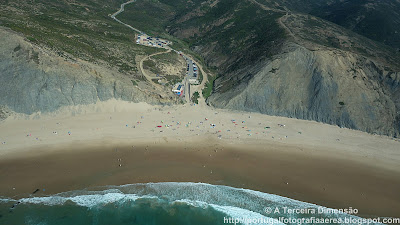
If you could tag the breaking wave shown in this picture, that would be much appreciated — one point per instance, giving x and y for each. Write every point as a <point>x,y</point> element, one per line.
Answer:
<point>161,203</point>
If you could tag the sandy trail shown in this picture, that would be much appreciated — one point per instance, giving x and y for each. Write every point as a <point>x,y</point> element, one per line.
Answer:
<point>266,7</point>
<point>148,77</point>
<point>281,20</point>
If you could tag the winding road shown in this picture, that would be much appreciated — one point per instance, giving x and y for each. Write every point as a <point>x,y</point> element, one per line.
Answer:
<point>281,20</point>
<point>189,90</point>
<point>120,11</point>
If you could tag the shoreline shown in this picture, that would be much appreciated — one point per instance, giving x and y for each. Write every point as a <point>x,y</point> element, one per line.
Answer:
<point>330,182</point>
<point>304,160</point>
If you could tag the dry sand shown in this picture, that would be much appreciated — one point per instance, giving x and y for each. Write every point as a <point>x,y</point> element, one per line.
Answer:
<point>115,142</point>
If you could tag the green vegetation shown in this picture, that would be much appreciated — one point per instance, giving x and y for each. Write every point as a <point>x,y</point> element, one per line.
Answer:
<point>172,80</point>
<point>246,29</point>
<point>152,66</point>
<point>170,59</point>
<point>134,83</point>
<point>239,33</point>
<point>148,64</point>
<point>209,87</point>
<point>379,22</point>
<point>200,74</point>
<point>154,17</point>
<point>341,103</point>
<point>74,30</point>
<point>84,30</point>
<point>317,31</point>
<point>147,15</point>
<point>141,78</point>
<point>167,58</point>
<point>195,97</point>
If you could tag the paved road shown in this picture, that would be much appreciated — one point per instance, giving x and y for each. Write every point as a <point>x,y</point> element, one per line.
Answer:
<point>188,90</point>
<point>190,71</point>
<point>120,11</point>
<point>200,87</point>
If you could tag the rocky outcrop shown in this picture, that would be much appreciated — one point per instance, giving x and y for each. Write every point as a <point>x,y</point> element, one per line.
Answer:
<point>330,86</point>
<point>4,113</point>
<point>34,79</point>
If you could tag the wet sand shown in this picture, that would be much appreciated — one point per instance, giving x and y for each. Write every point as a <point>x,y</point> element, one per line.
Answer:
<point>83,146</point>
<point>297,173</point>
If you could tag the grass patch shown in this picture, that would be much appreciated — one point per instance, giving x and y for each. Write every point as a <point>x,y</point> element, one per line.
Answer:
<point>195,97</point>
<point>200,75</point>
<point>172,80</point>
<point>167,58</point>
<point>209,87</point>
<point>76,30</point>
<point>152,66</point>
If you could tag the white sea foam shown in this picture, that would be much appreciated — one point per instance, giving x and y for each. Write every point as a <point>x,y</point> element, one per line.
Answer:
<point>246,216</point>
<point>243,215</point>
<point>198,204</point>
<point>220,195</point>
<point>82,200</point>
<point>235,202</point>
<point>5,200</point>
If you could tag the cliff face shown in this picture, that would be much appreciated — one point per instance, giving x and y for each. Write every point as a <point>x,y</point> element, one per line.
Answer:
<point>33,79</point>
<point>334,87</point>
<point>268,60</point>
<point>312,70</point>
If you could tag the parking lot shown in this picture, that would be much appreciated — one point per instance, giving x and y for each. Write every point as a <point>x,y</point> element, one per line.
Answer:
<point>191,69</point>
<point>144,39</point>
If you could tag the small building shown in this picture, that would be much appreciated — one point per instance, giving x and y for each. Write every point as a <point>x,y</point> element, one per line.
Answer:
<point>193,80</point>
<point>178,89</point>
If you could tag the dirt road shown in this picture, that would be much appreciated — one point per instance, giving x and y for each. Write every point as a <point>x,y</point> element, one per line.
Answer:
<point>148,77</point>
<point>190,89</point>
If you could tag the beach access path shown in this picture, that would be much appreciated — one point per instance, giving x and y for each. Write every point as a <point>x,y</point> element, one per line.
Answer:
<point>188,88</point>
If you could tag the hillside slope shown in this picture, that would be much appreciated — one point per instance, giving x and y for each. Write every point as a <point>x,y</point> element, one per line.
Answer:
<point>34,79</point>
<point>266,59</point>
<point>333,87</point>
<point>284,63</point>
<point>68,53</point>
<point>375,19</point>
<point>323,73</point>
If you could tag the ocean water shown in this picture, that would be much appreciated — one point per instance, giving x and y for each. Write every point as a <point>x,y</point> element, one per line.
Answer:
<point>164,204</point>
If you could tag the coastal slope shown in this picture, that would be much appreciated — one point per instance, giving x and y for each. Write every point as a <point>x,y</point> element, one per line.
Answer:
<point>333,87</point>
<point>291,64</point>
<point>34,79</point>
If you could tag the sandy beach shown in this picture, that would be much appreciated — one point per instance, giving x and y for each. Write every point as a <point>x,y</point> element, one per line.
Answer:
<point>114,142</point>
